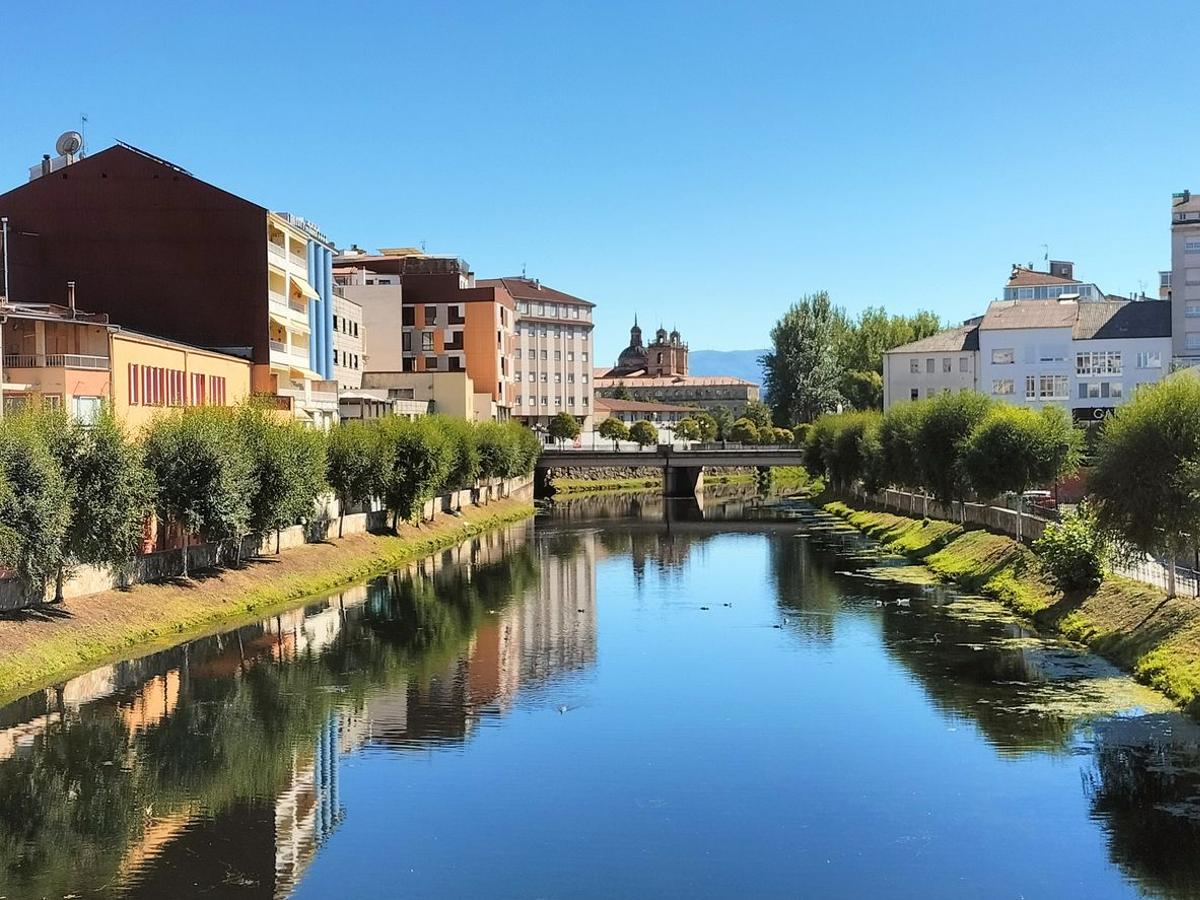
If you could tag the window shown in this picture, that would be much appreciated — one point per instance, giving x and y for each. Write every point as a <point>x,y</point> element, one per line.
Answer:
<point>914,366</point>
<point>430,315</point>
<point>929,365</point>
<point>426,341</point>
<point>947,364</point>
<point>86,409</point>
<point>1191,275</point>
<point>914,394</point>
<point>584,378</point>
<point>216,389</point>
<point>1192,340</point>
<point>406,342</point>
<point>1101,390</point>
<point>557,355</point>
<point>1003,386</point>
<point>544,377</point>
<point>570,356</point>
<point>585,356</point>
<point>545,355</point>
<point>517,354</point>
<point>1098,362</point>
<point>407,316</point>
<point>1192,309</point>
<point>133,384</point>
<point>1046,387</point>
<point>532,376</point>
<point>1149,359</point>
<point>558,377</point>
<point>1002,357</point>
<point>963,364</point>
<point>1191,245</point>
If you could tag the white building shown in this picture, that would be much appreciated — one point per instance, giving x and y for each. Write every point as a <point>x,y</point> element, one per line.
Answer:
<point>942,362</point>
<point>347,343</point>
<point>1182,283</point>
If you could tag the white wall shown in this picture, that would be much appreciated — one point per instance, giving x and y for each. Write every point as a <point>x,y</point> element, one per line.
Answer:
<point>1131,375</point>
<point>899,380</point>
<point>1036,352</point>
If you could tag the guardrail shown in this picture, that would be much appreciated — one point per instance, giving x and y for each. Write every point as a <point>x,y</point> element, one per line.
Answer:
<point>56,361</point>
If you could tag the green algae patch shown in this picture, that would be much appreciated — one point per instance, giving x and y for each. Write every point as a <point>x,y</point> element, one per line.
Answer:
<point>37,649</point>
<point>1133,625</point>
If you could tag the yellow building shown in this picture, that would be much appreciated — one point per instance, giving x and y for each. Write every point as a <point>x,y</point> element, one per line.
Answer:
<point>151,374</point>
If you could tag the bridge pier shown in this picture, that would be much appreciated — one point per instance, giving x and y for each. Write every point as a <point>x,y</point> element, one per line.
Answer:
<point>683,481</point>
<point>542,485</point>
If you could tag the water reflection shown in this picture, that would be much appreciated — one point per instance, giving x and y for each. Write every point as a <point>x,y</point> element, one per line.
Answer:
<point>235,765</point>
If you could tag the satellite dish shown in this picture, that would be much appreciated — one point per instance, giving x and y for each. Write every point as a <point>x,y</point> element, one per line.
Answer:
<point>68,143</point>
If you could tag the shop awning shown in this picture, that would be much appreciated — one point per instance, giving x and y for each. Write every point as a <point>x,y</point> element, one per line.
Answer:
<point>298,372</point>
<point>305,288</point>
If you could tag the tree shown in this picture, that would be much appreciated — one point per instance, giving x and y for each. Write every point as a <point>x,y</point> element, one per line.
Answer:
<point>1145,476</point>
<point>417,458</point>
<point>203,475</point>
<point>111,496</point>
<point>759,413</point>
<point>563,427</point>
<point>613,429</point>
<point>707,424</point>
<point>898,435</point>
<point>743,431</point>
<point>687,430</point>
<point>464,452</point>
<point>1015,448</point>
<point>723,419</point>
<point>860,346</point>
<point>287,463</point>
<point>862,389</point>
<point>643,433</point>
<point>34,503</point>
<point>352,465</point>
<point>947,422</point>
<point>801,370</point>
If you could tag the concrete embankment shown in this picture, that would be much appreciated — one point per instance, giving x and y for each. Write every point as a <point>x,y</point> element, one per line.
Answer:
<point>1135,626</point>
<point>45,645</point>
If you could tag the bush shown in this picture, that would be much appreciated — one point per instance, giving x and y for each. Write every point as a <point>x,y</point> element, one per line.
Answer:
<point>1073,552</point>
<point>643,433</point>
<point>743,431</point>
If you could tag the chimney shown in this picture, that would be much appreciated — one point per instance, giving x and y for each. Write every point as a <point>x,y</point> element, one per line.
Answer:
<point>71,297</point>
<point>1062,269</point>
<point>45,163</point>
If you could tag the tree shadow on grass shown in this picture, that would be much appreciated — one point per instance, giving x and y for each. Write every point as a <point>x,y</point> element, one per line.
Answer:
<point>43,612</point>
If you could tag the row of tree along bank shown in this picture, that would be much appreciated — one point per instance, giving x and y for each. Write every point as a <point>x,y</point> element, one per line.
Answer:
<point>1144,485</point>
<point>72,495</point>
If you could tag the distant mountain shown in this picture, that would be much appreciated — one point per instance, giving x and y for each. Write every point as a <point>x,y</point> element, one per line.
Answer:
<point>738,363</point>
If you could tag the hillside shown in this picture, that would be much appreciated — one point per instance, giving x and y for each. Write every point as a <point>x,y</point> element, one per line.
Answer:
<point>738,363</point>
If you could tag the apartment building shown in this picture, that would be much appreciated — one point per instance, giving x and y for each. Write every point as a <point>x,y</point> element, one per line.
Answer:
<point>165,253</point>
<point>1182,283</point>
<point>348,357</point>
<point>943,362</point>
<point>1086,356</point>
<point>426,315</point>
<point>67,359</point>
<point>1027,283</point>
<point>552,355</point>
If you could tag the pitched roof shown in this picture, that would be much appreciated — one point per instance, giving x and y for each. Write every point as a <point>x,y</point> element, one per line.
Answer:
<point>952,340</point>
<point>530,289</point>
<point>613,405</point>
<point>1022,275</point>
<point>1030,314</point>
<point>668,380</point>
<point>1105,320</point>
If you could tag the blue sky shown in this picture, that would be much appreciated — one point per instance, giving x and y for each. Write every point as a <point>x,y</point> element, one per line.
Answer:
<point>703,164</point>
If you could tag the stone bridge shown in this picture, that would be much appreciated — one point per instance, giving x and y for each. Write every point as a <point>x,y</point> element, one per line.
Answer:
<point>683,470</point>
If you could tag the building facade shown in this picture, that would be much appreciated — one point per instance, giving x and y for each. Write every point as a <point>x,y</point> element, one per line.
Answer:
<point>1183,281</point>
<point>943,362</point>
<point>425,314</point>
<point>160,251</point>
<point>1085,356</point>
<point>552,368</point>
<point>347,343</point>
<point>665,356</point>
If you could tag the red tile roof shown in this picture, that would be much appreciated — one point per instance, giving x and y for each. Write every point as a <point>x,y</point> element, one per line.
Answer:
<point>612,405</point>
<point>1022,276</point>
<point>529,289</point>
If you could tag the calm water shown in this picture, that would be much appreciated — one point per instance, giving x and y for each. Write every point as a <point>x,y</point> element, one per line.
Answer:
<point>613,702</point>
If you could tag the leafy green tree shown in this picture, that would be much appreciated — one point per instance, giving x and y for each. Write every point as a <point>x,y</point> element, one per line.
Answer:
<point>760,414</point>
<point>287,468</point>
<point>203,474</point>
<point>1015,448</point>
<point>1145,476</point>
<point>352,465</point>
<point>528,447</point>
<point>563,427</point>
<point>111,496</point>
<point>784,436</point>
<point>724,420</point>
<point>464,452</point>
<point>898,435</point>
<point>417,457</point>
<point>743,431</point>
<point>1074,552</point>
<point>947,422</point>
<point>687,430</point>
<point>707,424</point>
<point>643,433</point>
<point>862,389</point>
<point>613,429</point>
<point>801,371</point>
<point>498,450</point>
<point>35,504</point>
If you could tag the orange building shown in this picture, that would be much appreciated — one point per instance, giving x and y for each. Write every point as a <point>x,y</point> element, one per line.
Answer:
<point>426,314</point>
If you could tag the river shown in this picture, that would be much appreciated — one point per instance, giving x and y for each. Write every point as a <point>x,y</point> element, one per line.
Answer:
<point>622,699</point>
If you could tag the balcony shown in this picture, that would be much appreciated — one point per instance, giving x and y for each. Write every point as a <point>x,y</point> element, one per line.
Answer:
<point>277,251</point>
<point>298,259</point>
<point>56,361</point>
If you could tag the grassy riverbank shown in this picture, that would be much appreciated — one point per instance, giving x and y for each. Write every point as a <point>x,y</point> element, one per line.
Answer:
<point>1129,623</point>
<point>39,647</point>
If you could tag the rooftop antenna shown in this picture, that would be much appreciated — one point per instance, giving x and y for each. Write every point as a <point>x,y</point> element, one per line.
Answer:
<point>522,270</point>
<point>1046,252</point>
<point>82,135</point>
<point>422,246</point>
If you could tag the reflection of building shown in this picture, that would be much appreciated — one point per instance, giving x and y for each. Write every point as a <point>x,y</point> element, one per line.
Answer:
<point>556,620</point>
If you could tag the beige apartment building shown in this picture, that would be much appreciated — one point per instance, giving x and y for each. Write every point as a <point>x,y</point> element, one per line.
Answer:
<point>552,356</point>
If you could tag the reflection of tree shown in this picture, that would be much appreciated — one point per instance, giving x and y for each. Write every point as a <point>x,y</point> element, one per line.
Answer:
<point>249,711</point>
<point>803,586</point>
<point>1145,787</point>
